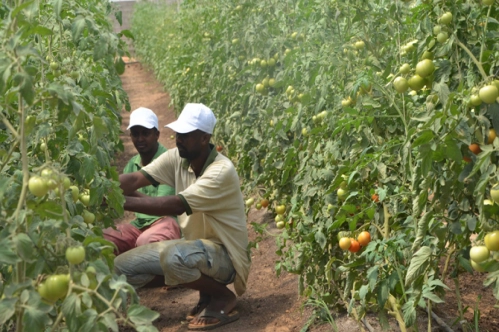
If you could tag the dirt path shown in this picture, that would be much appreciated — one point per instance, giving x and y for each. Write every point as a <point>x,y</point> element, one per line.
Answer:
<point>271,304</point>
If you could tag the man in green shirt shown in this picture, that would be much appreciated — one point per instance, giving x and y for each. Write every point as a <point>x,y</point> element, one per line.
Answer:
<point>144,228</point>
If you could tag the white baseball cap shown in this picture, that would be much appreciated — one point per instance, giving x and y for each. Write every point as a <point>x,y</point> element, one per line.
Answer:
<point>194,116</point>
<point>143,117</point>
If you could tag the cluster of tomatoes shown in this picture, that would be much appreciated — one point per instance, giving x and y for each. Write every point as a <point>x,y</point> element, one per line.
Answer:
<point>49,179</point>
<point>354,245</point>
<point>56,286</point>
<point>39,185</point>
<point>480,255</point>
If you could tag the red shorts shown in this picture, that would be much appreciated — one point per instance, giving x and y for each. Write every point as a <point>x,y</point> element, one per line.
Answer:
<point>126,236</point>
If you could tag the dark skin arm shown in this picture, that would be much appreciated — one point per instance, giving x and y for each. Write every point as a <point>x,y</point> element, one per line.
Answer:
<point>158,206</point>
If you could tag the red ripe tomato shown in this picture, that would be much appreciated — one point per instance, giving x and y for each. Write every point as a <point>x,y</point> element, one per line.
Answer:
<point>475,148</point>
<point>375,198</point>
<point>264,203</point>
<point>219,148</point>
<point>354,245</point>
<point>364,238</point>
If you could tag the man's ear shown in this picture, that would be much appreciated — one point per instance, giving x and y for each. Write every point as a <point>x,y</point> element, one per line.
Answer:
<point>206,139</point>
<point>157,133</point>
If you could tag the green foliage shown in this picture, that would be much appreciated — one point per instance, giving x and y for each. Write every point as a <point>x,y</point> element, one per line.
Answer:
<point>60,104</point>
<point>332,119</point>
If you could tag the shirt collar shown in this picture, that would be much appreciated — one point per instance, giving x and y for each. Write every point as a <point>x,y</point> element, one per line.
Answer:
<point>137,160</point>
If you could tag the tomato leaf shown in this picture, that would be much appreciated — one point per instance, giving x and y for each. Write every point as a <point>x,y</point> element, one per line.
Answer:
<point>7,256</point>
<point>141,315</point>
<point>57,5</point>
<point>36,315</point>
<point>418,264</point>
<point>320,238</point>
<point>424,137</point>
<point>25,247</point>
<point>7,309</point>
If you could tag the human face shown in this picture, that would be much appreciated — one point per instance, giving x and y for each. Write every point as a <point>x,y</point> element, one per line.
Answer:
<point>145,140</point>
<point>190,145</point>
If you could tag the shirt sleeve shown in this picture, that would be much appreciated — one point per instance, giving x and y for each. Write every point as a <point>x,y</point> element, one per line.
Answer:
<point>162,169</point>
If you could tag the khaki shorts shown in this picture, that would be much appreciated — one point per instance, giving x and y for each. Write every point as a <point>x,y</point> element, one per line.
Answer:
<point>179,261</point>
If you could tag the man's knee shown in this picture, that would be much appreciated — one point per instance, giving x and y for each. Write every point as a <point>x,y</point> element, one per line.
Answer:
<point>164,229</point>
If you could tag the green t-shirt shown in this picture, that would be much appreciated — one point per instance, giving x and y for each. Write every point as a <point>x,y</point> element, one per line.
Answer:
<point>142,220</point>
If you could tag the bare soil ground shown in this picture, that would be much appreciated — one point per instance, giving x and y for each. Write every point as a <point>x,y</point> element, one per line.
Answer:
<point>271,303</point>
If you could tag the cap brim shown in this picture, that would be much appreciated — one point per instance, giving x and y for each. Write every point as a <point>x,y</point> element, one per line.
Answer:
<point>141,125</point>
<point>181,128</point>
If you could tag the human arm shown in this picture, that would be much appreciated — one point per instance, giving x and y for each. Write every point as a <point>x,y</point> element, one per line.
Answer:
<point>155,206</point>
<point>130,182</point>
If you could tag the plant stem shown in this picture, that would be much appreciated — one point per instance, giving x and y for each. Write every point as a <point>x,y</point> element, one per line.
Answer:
<point>386,225</point>
<point>458,299</point>
<point>484,33</point>
<point>396,312</point>
<point>106,302</point>
<point>429,316</point>
<point>477,63</point>
<point>20,223</point>
<point>447,260</point>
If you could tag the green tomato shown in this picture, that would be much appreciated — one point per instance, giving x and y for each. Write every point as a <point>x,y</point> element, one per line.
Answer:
<point>425,68</point>
<point>492,241</point>
<point>442,37</point>
<point>405,68</point>
<point>280,209</point>
<point>400,85</point>
<point>259,88</point>
<point>54,65</point>
<point>66,182</point>
<point>75,192</point>
<point>359,45</point>
<point>477,266</point>
<point>479,254</point>
<point>475,100</point>
<point>88,217</point>
<point>488,94</point>
<point>446,18</point>
<point>57,285</point>
<point>45,294</point>
<point>38,186</point>
<point>280,224</point>
<point>249,202</point>
<point>85,198</point>
<point>75,255</point>
<point>416,82</point>
<point>342,193</point>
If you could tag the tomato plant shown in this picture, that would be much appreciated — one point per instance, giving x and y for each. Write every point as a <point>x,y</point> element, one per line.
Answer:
<point>409,146</point>
<point>59,132</point>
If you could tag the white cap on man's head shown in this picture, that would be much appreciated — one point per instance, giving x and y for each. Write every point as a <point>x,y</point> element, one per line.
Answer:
<point>143,117</point>
<point>194,116</point>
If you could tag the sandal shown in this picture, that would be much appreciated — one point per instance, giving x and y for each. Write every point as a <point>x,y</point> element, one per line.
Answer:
<point>222,317</point>
<point>196,310</point>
